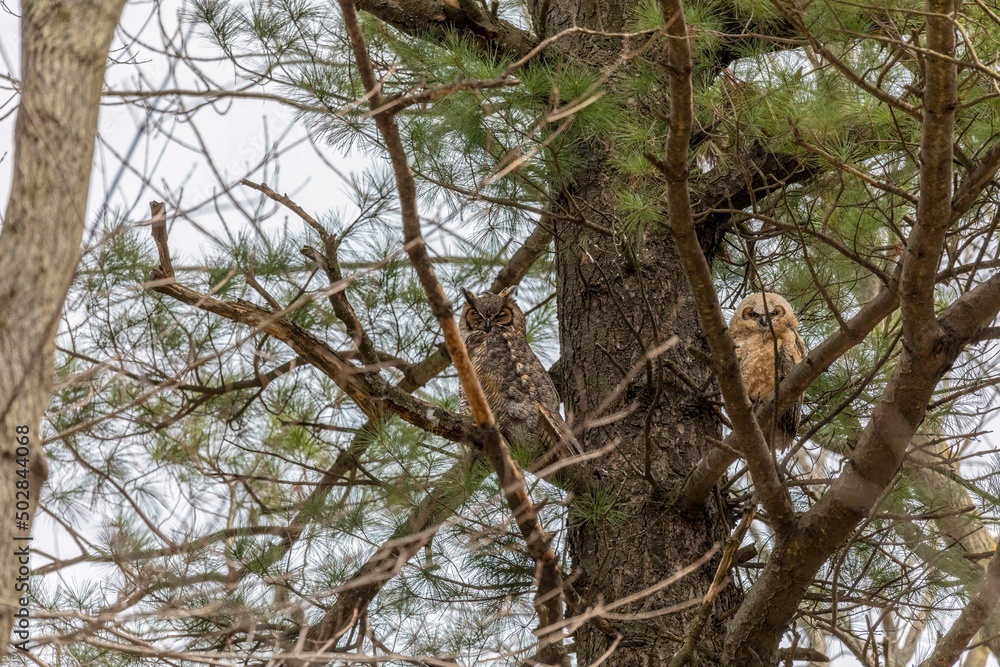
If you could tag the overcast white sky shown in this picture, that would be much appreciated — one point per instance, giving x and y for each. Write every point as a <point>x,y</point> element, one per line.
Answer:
<point>237,133</point>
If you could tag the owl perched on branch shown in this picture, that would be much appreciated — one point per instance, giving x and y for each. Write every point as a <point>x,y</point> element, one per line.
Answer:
<point>760,321</point>
<point>519,391</point>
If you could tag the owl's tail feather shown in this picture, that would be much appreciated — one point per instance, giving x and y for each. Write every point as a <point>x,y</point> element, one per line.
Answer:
<point>557,438</point>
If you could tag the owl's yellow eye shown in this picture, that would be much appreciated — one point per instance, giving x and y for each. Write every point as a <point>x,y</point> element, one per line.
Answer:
<point>749,314</point>
<point>505,317</point>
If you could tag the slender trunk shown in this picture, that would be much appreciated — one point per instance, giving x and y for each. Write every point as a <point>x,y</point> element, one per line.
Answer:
<point>64,47</point>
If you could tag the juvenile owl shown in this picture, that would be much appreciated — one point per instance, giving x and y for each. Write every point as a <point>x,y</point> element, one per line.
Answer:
<point>519,391</point>
<point>751,328</point>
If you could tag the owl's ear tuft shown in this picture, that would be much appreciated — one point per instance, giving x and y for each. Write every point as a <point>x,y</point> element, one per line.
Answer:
<point>470,297</point>
<point>508,292</point>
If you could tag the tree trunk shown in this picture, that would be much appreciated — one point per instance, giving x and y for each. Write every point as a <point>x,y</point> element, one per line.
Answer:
<point>607,304</point>
<point>618,301</point>
<point>64,47</point>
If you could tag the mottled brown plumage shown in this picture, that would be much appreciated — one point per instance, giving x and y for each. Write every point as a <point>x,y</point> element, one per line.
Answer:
<point>751,327</point>
<point>519,391</point>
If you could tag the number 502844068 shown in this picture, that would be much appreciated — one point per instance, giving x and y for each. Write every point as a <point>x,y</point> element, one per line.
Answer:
<point>22,485</point>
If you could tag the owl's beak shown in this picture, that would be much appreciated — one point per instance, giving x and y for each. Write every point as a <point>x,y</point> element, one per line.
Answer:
<point>487,325</point>
<point>762,321</point>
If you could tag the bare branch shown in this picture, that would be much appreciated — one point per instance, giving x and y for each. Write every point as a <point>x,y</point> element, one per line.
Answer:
<point>686,653</point>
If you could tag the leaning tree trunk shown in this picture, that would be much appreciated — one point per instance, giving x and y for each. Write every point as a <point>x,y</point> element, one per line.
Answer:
<point>619,300</point>
<point>64,47</point>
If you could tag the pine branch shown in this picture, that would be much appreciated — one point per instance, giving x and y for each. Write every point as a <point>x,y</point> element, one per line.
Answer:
<point>342,307</point>
<point>754,174</point>
<point>421,18</point>
<point>927,354</point>
<point>522,259</point>
<point>396,103</point>
<point>966,538</point>
<point>714,464</point>
<point>951,647</point>
<point>934,209</point>
<point>368,389</point>
<point>354,595</point>
<point>423,523</point>
<point>416,375</point>
<point>795,14</point>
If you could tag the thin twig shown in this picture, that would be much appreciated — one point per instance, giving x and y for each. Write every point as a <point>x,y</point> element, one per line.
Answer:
<point>685,654</point>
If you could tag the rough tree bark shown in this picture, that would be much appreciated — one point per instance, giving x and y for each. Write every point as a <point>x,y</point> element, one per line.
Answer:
<point>64,47</point>
<point>618,301</point>
<point>609,318</point>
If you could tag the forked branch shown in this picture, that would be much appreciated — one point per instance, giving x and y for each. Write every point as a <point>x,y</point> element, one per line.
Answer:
<point>372,393</point>
<point>714,464</point>
<point>930,347</point>
<point>429,515</point>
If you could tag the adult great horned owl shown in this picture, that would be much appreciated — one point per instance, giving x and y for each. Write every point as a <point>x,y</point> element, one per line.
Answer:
<point>519,391</point>
<point>751,327</point>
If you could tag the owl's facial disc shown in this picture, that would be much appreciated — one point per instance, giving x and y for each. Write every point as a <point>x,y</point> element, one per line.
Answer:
<point>486,322</point>
<point>759,318</point>
<point>487,311</point>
